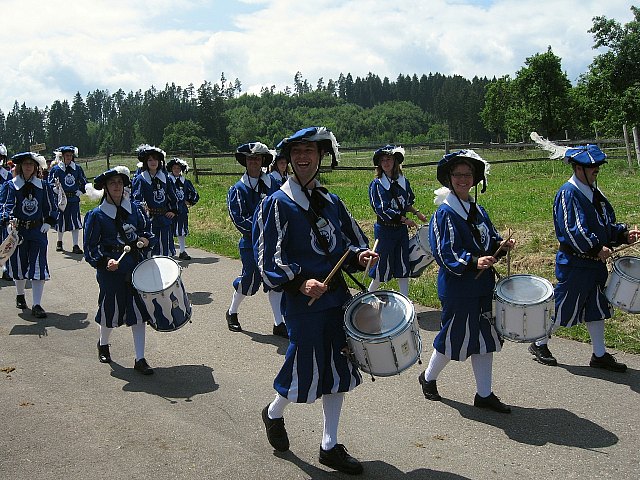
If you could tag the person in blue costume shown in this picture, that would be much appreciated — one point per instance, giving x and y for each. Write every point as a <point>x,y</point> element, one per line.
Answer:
<point>118,222</point>
<point>187,197</point>
<point>587,230</point>
<point>300,233</point>
<point>463,241</point>
<point>391,197</point>
<point>279,169</point>
<point>30,201</point>
<point>5,175</point>
<point>242,201</point>
<point>153,188</point>
<point>72,182</point>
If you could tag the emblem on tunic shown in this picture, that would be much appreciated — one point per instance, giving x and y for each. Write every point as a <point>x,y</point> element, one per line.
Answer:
<point>69,180</point>
<point>29,206</point>
<point>158,196</point>
<point>129,232</point>
<point>180,194</point>
<point>327,230</point>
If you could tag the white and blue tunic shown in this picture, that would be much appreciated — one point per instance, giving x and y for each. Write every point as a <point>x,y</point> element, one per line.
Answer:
<point>73,182</point>
<point>390,199</point>
<point>466,327</point>
<point>107,230</point>
<point>242,200</point>
<point>160,197</point>
<point>288,253</point>
<point>582,231</point>
<point>185,193</point>
<point>5,175</point>
<point>279,179</point>
<point>31,203</point>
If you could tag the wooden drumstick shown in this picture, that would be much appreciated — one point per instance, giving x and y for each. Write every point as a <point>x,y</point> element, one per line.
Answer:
<point>504,242</point>
<point>332,273</point>
<point>125,250</point>
<point>375,245</point>
<point>624,247</point>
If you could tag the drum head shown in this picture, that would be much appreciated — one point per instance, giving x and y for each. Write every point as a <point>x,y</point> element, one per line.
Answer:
<point>524,289</point>
<point>379,313</point>
<point>155,274</point>
<point>629,268</point>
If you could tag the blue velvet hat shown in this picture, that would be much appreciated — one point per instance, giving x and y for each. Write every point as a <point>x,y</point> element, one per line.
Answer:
<point>143,152</point>
<point>101,180</point>
<point>38,159</point>
<point>320,135</point>
<point>446,164</point>
<point>68,148</point>
<point>251,150</point>
<point>587,156</point>
<point>184,166</point>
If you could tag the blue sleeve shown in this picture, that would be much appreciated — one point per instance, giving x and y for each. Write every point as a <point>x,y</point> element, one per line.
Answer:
<point>380,200</point>
<point>191,195</point>
<point>50,210</point>
<point>239,212</point>
<point>82,180</point>
<point>92,233</point>
<point>447,243</point>
<point>7,202</point>
<point>572,224</point>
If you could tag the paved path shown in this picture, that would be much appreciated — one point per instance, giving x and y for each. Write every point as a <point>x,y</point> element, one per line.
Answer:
<point>66,416</point>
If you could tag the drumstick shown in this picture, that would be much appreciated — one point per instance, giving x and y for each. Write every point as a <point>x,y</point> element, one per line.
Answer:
<point>375,245</point>
<point>125,250</point>
<point>504,242</point>
<point>332,273</point>
<point>624,247</point>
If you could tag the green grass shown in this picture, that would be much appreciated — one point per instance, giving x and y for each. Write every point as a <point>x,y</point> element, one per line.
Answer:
<point>519,196</point>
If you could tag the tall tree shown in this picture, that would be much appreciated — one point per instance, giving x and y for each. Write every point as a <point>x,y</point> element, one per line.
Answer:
<point>79,134</point>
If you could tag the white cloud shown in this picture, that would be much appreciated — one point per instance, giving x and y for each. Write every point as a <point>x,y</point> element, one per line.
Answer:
<point>64,47</point>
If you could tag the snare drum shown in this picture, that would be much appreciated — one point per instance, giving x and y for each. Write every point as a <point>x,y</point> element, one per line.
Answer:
<point>158,281</point>
<point>624,283</point>
<point>523,308</point>
<point>382,333</point>
<point>420,256</point>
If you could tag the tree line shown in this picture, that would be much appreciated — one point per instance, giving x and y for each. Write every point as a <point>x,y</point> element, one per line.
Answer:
<point>362,111</point>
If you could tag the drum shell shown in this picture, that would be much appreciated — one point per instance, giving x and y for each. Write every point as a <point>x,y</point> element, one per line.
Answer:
<point>390,352</point>
<point>623,289</point>
<point>523,321</point>
<point>160,287</point>
<point>420,256</point>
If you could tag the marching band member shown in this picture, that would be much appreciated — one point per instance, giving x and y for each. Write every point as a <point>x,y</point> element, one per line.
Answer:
<point>463,241</point>
<point>5,175</point>
<point>391,197</point>
<point>31,202</point>
<point>279,169</point>
<point>586,227</point>
<point>115,224</point>
<point>299,234</point>
<point>72,181</point>
<point>152,188</point>
<point>242,200</point>
<point>187,197</point>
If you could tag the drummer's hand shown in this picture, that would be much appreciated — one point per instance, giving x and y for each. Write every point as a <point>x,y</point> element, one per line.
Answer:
<point>633,236</point>
<point>605,253</point>
<point>313,288</point>
<point>144,241</point>
<point>112,265</point>
<point>410,223</point>
<point>422,217</point>
<point>509,244</point>
<point>169,214</point>
<point>365,255</point>
<point>486,262</point>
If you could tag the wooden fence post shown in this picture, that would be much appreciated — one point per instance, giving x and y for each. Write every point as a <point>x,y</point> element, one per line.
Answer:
<point>195,167</point>
<point>626,143</point>
<point>636,141</point>
<point>108,155</point>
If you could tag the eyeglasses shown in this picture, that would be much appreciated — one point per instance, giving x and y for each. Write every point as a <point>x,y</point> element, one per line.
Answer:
<point>462,175</point>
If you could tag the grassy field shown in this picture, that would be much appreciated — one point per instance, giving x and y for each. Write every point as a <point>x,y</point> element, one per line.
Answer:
<point>519,196</point>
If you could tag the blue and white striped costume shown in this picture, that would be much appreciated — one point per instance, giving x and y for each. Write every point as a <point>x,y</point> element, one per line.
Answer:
<point>160,196</point>
<point>582,232</point>
<point>33,202</point>
<point>118,302</point>
<point>73,182</point>
<point>288,253</point>
<point>185,192</point>
<point>5,175</point>
<point>279,179</point>
<point>390,200</point>
<point>466,328</point>
<point>242,200</point>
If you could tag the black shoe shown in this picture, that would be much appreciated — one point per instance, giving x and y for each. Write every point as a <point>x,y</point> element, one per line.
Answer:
<point>276,433</point>
<point>608,362</point>
<point>429,389</point>
<point>143,367</point>
<point>77,250</point>
<point>542,354</point>
<point>184,256</point>
<point>492,403</point>
<point>339,459</point>
<point>281,330</point>
<point>103,353</point>
<point>21,303</point>
<point>6,276</point>
<point>232,322</point>
<point>59,247</point>
<point>38,312</point>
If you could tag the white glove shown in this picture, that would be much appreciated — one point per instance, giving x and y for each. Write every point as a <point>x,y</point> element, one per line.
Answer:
<point>45,227</point>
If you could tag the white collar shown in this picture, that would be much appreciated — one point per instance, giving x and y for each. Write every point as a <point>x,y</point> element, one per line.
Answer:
<point>159,175</point>
<point>72,164</point>
<point>4,173</point>
<point>173,178</point>
<point>454,203</point>
<point>249,181</point>
<point>293,190</point>
<point>386,183</point>
<point>110,209</point>
<point>19,182</point>
<point>586,190</point>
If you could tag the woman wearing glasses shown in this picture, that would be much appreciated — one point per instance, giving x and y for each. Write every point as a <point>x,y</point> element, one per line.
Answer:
<point>463,241</point>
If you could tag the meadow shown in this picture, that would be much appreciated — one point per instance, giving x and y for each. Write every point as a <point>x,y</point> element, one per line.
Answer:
<point>519,197</point>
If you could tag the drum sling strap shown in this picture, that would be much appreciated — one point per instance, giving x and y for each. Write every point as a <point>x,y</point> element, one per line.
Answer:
<point>472,217</point>
<point>312,217</point>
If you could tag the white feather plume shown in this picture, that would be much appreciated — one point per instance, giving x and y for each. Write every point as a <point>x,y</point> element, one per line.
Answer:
<point>440,195</point>
<point>92,193</point>
<point>555,151</point>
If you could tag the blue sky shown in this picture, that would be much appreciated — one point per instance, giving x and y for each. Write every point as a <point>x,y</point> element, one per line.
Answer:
<point>66,47</point>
